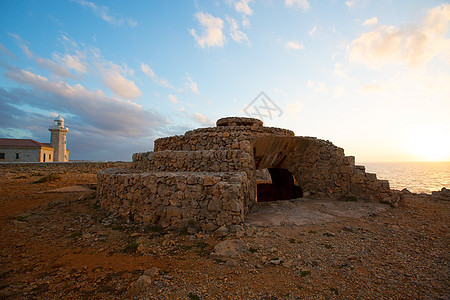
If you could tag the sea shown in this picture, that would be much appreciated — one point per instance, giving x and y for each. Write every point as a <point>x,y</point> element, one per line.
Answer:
<point>417,177</point>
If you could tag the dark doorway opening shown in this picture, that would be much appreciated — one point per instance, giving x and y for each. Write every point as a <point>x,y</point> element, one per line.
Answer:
<point>283,187</point>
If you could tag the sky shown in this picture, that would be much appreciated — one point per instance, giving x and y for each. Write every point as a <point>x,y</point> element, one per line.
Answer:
<point>372,76</point>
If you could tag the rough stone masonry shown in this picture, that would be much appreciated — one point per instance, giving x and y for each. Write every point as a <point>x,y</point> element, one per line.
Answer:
<point>211,177</point>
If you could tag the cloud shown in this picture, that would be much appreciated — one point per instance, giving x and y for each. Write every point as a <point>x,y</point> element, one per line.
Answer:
<point>112,78</point>
<point>370,22</point>
<point>339,70</point>
<point>22,45</point>
<point>339,91</point>
<point>120,85</point>
<point>173,98</point>
<point>302,4</point>
<point>413,44</point>
<point>55,68</point>
<point>104,13</point>
<point>293,108</point>
<point>212,35</point>
<point>317,86</point>
<point>149,72</point>
<point>73,62</point>
<point>372,87</point>
<point>312,32</point>
<point>243,7</point>
<point>236,34</point>
<point>6,51</point>
<point>108,116</point>
<point>294,45</point>
<point>203,120</point>
<point>351,3</point>
<point>192,85</point>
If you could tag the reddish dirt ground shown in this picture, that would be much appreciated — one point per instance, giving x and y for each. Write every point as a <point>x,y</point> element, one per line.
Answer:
<point>62,245</point>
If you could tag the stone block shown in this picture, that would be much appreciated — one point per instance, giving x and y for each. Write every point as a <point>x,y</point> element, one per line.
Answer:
<point>349,160</point>
<point>371,177</point>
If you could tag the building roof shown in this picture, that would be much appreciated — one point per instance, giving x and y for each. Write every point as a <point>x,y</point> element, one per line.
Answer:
<point>23,143</point>
<point>59,118</point>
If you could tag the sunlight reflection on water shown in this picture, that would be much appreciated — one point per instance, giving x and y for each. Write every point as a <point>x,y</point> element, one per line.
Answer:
<point>418,177</point>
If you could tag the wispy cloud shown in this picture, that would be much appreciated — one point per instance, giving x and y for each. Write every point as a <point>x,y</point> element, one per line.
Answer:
<point>104,13</point>
<point>294,45</point>
<point>212,35</point>
<point>312,32</point>
<point>302,4</point>
<point>173,99</point>
<point>413,44</point>
<point>192,85</point>
<point>339,70</point>
<point>243,7</point>
<point>370,22</point>
<point>122,117</point>
<point>55,68</point>
<point>6,51</point>
<point>150,73</point>
<point>317,86</point>
<point>351,3</point>
<point>236,34</point>
<point>202,119</point>
<point>114,80</point>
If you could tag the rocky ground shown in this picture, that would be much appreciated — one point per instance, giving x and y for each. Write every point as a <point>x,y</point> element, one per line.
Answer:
<point>62,245</point>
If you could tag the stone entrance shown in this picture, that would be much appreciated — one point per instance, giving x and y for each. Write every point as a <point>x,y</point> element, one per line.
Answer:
<point>282,187</point>
<point>208,176</point>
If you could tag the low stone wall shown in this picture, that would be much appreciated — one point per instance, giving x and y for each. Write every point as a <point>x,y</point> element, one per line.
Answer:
<point>207,200</point>
<point>61,167</point>
<point>218,138</point>
<point>194,161</point>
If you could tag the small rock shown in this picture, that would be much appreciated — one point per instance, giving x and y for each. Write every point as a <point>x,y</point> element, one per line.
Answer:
<point>222,230</point>
<point>275,261</point>
<point>228,248</point>
<point>152,273</point>
<point>231,263</point>
<point>139,286</point>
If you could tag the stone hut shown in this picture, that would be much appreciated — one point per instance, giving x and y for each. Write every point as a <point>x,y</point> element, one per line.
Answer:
<point>210,177</point>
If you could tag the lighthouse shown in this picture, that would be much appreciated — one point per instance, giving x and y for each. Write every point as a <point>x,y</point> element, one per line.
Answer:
<point>58,139</point>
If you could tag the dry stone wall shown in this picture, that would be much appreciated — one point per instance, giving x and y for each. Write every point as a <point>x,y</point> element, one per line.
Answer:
<point>207,177</point>
<point>61,167</point>
<point>176,199</point>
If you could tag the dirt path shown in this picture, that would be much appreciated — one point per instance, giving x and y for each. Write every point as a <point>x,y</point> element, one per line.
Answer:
<point>61,245</point>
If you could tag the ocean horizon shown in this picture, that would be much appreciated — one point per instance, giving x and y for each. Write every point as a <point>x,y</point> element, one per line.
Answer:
<point>417,177</point>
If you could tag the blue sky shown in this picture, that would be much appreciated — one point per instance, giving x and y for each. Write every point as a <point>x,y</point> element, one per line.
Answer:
<point>371,76</point>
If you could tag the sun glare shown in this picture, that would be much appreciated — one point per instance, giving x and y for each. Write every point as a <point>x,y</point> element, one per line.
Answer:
<point>431,145</point>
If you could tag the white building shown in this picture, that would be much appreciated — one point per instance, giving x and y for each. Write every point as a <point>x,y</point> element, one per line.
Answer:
<point>27,150</point>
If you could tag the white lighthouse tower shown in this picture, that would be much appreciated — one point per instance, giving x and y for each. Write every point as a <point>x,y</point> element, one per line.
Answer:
<point>58,139</point>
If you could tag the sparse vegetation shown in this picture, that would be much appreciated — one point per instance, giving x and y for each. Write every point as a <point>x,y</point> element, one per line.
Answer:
<point>328,246</point>
<point>48,178</point>
<point>304,273</point>
<point>131,248</point>
<point>252,250</point>
<point>387,203</point>
<point>192,296</point>
<point>154,228</point>
<point>22,219</point>
<point>348,199</point>
<point>75,234</point>
<point>117,227</point>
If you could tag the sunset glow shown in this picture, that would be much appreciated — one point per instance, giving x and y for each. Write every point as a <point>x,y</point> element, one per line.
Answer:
<point>433,145</point>
<point>370,76</point>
